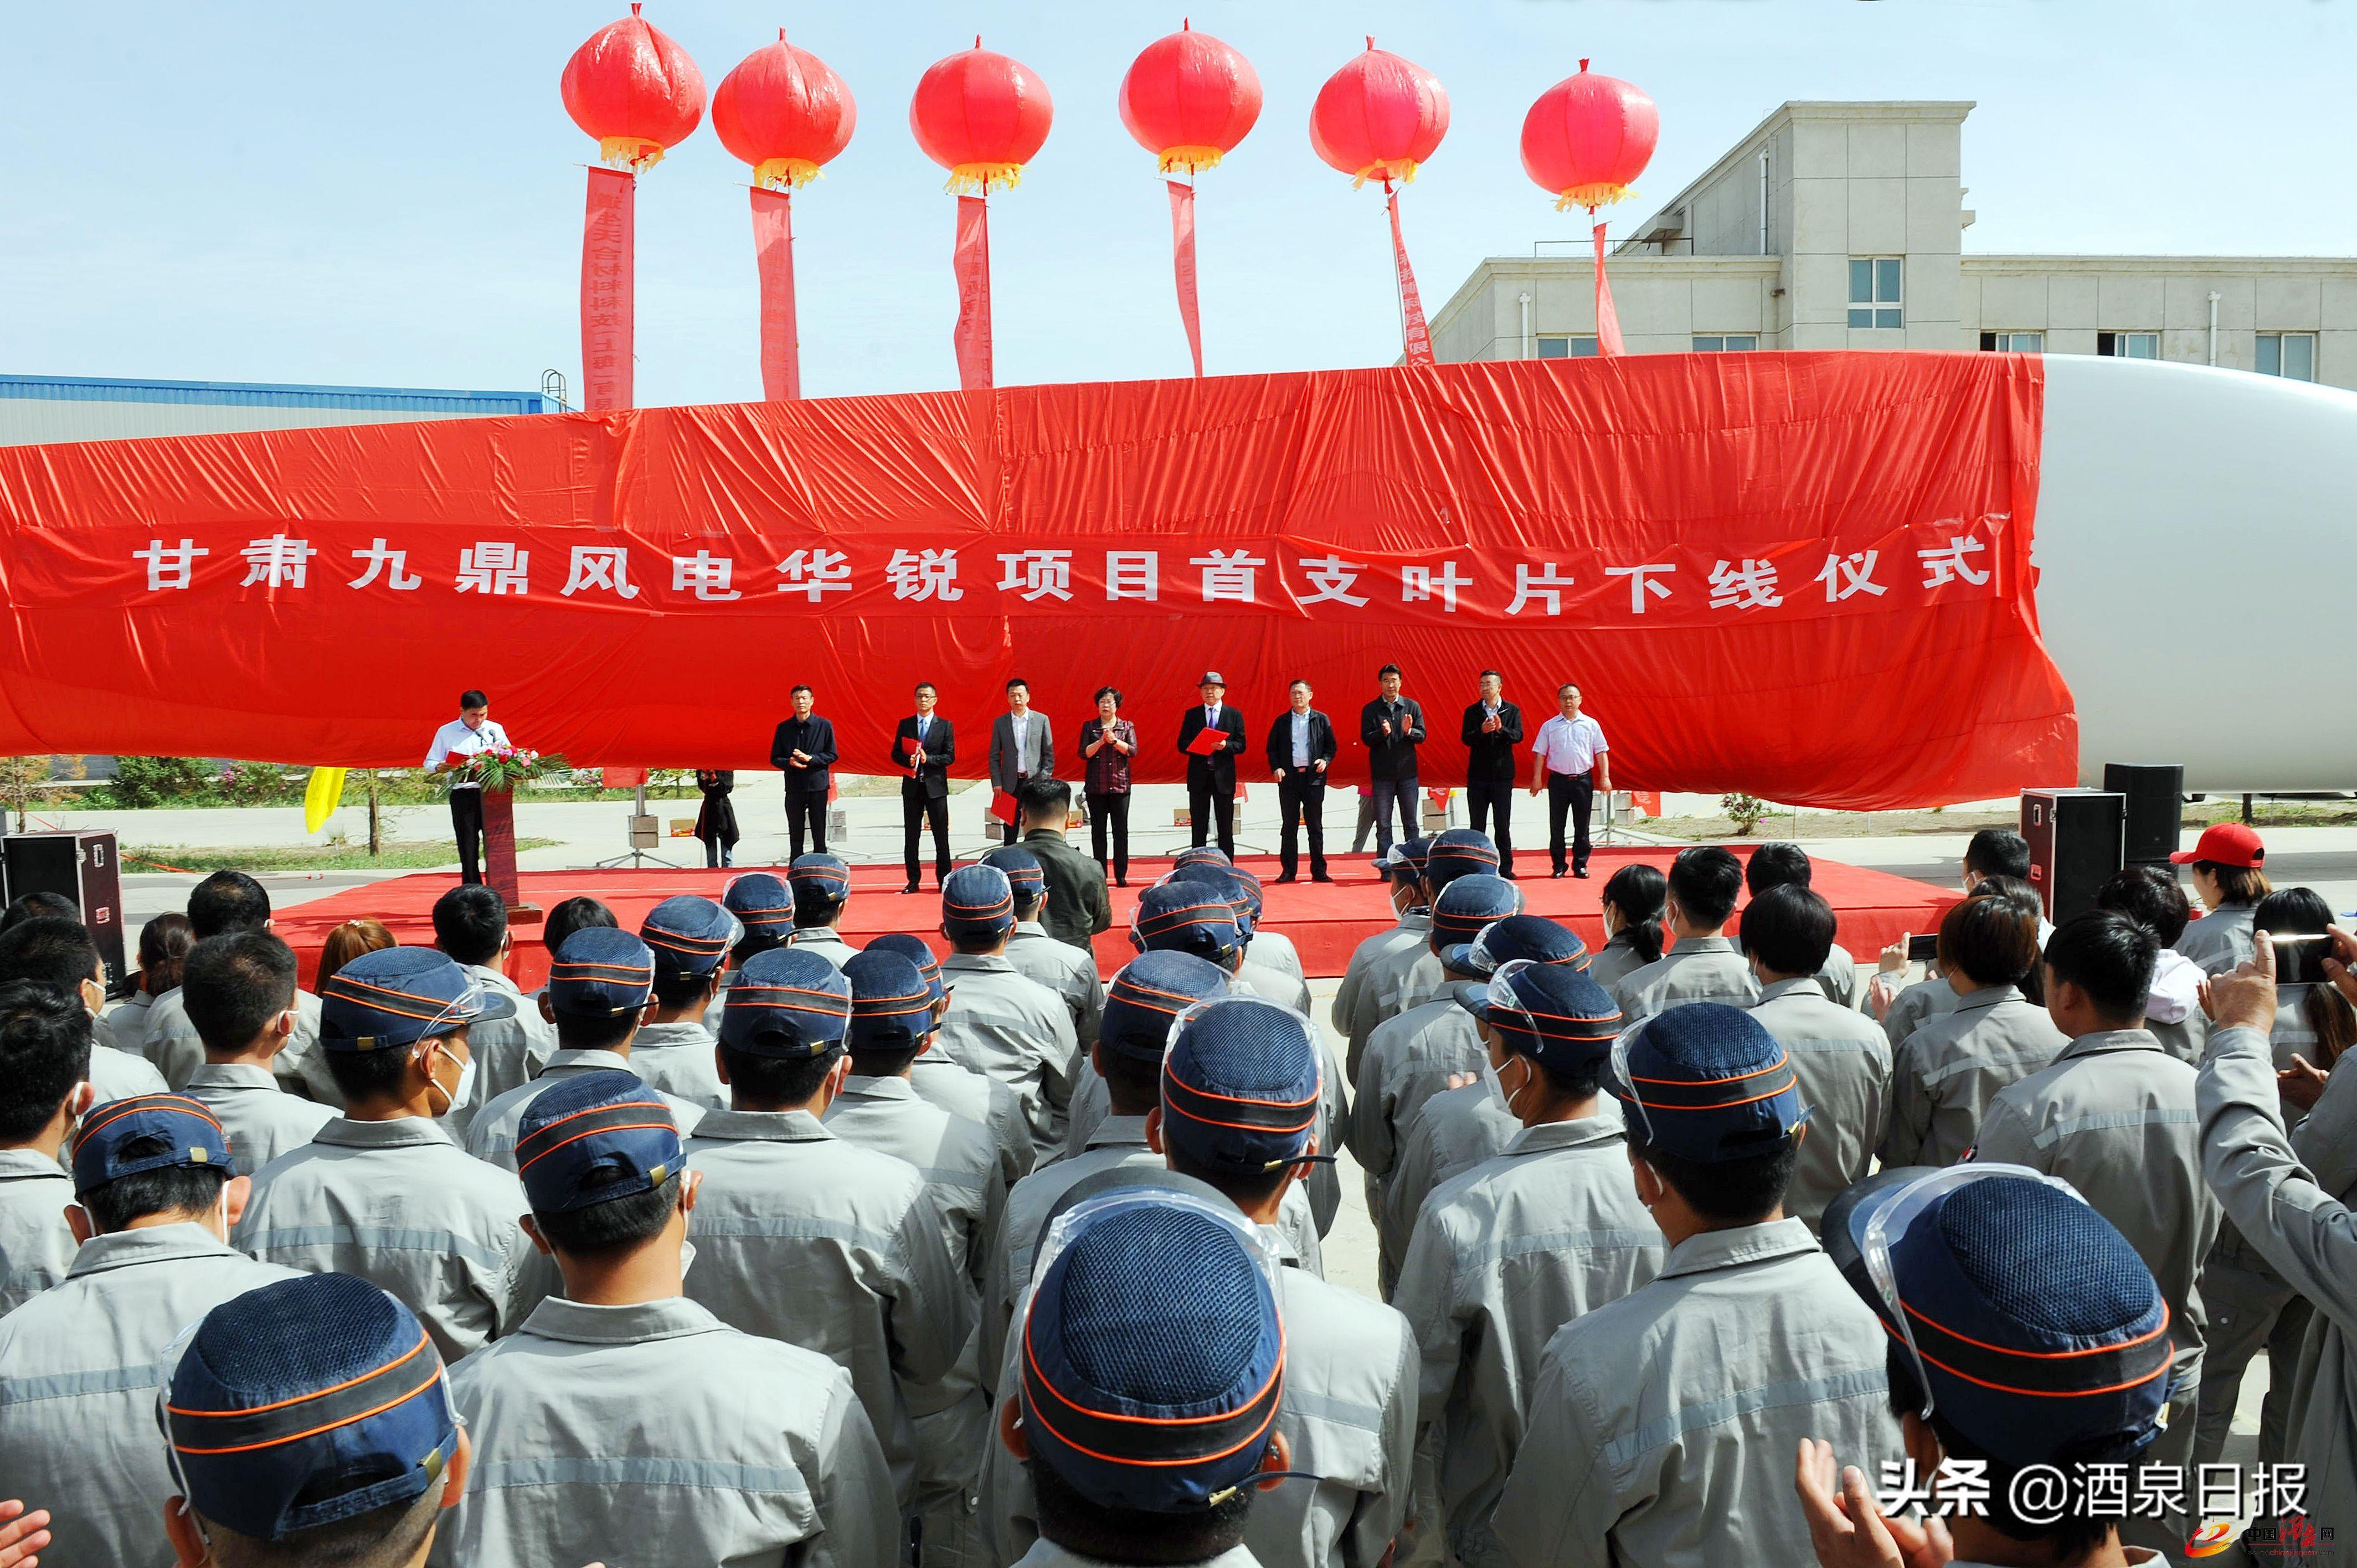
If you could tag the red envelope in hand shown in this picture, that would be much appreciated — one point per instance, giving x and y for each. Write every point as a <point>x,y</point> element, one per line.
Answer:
<point>907,745</point>
<point>1207,742</point>
<point>1002,806</point>
<point>456,758</point>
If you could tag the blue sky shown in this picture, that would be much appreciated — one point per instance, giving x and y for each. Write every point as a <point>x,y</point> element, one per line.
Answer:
<point>389,194</point>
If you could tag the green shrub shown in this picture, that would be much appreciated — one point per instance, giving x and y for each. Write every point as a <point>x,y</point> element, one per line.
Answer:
<point>143,782</point>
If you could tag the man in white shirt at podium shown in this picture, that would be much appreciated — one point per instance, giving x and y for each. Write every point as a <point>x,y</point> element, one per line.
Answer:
<point>470,731</point>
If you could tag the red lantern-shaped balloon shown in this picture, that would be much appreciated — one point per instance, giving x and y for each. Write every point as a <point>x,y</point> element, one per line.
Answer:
<point>981,116</point>
<point>783,111</point>
<point>1188,99</point>
<point>1588,137</point>
<point>634,89</point>
<point>1379,117</point>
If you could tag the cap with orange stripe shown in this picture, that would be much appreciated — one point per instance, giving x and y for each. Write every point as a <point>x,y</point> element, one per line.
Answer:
<point>1240,1087</point>
<point>977,901</point>
<point>397,996</point>
<point>788,1003</point>
<point>1145,999</point>
<point>306,1402</point>
<point>1550,1012</point>
<point>163,1130</point>
<point>1708,1082</point>
<point>593,1138</point>
<point>1180,917</point>
<point>892,1005</point>
<point>600,972</point>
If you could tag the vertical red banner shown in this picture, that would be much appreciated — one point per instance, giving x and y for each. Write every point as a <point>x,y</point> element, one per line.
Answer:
<point>1182,261</point>
<point>971,262</point>
<point>608,289</point>
<point>1607,320</point>
<point>1414,333</point>
<point>773,249</point>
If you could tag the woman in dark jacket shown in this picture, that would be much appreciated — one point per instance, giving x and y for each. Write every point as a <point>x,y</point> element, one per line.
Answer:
<point>1107,742</point>
<point>716,824</point>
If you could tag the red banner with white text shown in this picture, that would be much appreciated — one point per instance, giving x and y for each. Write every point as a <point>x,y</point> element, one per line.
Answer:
<point>1802,576</point>
<point>609,290</point>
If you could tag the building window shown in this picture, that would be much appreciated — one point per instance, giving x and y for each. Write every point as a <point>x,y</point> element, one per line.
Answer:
<point>1874,295</point>
<point>2128,345</point>
<point>2013,342</point>
<point>2291,355</point>
<point>1730,343</point>
<point>1578,347</point>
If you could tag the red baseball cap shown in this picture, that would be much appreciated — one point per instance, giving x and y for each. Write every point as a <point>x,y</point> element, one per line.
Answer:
<point>2225,843</point>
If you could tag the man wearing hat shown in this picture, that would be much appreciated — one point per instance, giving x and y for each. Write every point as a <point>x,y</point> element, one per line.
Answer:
<point>878,1110</point>
<point>308,1422</point>
<point>45,1089</point>
<point>1412,979</point>
<point>764,908</point>
<point>154,1196</point>
<point>239,988</point>
<point>1701,965</point>
<point>821,886</point>
<point>626,1424</point>
<point>1149,1459</point>
<point>600,990</point>
<point>2024,1332</point>
<point>470,924</point>
<point>688,938</point>
<point>1212,773</point>
<point>1147,1016</point>
<point>1243,897</point>
<point>1356,1010</point>
<point>1661,1425</point>
<point>2228,865</point>
<point>1000,1022</point>
<point>1506,1254</point>
<point>1840,1054</point>
<point>1070,972</point>
<point>803,1237</point>
<point>941,1080</point>
<point>384,1191</point>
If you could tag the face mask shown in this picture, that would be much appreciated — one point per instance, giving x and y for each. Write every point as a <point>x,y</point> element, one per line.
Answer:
<point>1529,1072</point>
<point>464,1094</point>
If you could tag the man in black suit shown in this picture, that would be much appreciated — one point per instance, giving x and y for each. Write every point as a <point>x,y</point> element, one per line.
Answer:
<point>922,748</point>
<point>803,749</point>
<point>1493,727</point>
<point>1212,779</point>
<point>1300,746</point>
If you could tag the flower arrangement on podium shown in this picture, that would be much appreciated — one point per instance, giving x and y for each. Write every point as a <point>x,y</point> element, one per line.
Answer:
<point>498,770</point>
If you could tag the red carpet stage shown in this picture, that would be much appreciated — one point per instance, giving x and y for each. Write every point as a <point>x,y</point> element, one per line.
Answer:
<point>1325,922</point>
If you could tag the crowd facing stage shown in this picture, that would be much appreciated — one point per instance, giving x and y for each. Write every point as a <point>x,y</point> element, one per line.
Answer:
<point>1710,1240</point>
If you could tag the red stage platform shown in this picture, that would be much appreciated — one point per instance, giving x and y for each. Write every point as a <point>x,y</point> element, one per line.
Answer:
<point>1325,921</point>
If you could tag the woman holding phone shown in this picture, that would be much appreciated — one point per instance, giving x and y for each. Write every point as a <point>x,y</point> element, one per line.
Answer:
<point>1107,742</point>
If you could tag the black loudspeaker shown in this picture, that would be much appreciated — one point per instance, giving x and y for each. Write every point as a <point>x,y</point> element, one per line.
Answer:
<point>81,866</point>
<point>2074,837</point>
<point>2156,808</point>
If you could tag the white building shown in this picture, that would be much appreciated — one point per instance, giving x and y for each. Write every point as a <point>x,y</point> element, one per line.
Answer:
<point>1841,226</point>
<point>37,409</point>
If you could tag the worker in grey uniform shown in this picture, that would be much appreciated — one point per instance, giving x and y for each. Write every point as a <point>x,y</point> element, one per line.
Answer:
<point>821,884</point>
<point>1458,852</point>
<point>2172,1010</point>
<point>2026,1336</point>
<point>600,993</point>
<point>956,1088</point>
<point>803,1237</point>
<point>1948,1070</point>
<point>45,1089</point>
<point>239,988</point>
<point>1001,1022</point>
<point>1252,977</point>
<point>1273,951</point>
<point>154,1197</point>
<point>308,1422</point>
<point>624,1422</point>
<point>689,938</point>
<point>1702,964</point>
<point>1779,865</point>
<point>57,955</point>
<point>2115,1117</point>
<point>1070,972</point>
<point>880,1109</point>
<point>1507,1253</point>
<point>2228,864</point>
<point>1843,1061</point>
<point>1661,1426</point>
<point>223,902</point>
<point>1458,1129</point>
<point>1354,1012</point>
<point>384,1191</point>
<point>764,908</point>
<point>470,924</point>
<point>1156,1458</point>
<point>1154,988</point>
<point>1935,994</point>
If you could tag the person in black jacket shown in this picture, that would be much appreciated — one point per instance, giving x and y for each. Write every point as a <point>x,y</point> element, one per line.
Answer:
<point>803,749</point>
<point>1211,780</point>
<point>1300,747</point>
<point>922,749</point>
<point>1392,727</point>
<point>716,820</point>
<point>1493,727</point>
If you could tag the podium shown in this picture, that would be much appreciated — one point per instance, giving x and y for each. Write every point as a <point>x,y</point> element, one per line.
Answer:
<point>500,856</point>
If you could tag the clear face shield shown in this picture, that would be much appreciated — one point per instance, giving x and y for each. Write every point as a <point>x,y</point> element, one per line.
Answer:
<point>1620,1048</point>
<point>1276,1014</point>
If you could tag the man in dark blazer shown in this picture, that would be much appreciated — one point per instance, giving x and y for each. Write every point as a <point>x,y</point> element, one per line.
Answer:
<point>1493,727</point>
<point>1392,727</point>
<point>1212,779</point>
<point>922,749</point>
<point>804,749</point>
<point>1300,747</point>
<point>1022,748</point>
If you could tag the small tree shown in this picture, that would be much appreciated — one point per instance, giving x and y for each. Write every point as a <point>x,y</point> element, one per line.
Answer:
<point>1745,811</point>
<point>19,777</point>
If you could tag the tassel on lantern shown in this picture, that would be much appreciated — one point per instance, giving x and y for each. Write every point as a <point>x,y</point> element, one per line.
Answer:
<point>981,179</point>
<point>786,174</point>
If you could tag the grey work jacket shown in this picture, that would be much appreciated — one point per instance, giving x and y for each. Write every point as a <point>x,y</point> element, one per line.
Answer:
<point>1502,1257</point>
<point>119,1074</point>
<point>1615,961</point>
<point>177,1051</point>
<point>492,1137</point>
<point>979,1099</point>
<point>655,1435</point>
<point>1917,1006</point>
<point>680,1059</point>
<point>826,941</point>
<point>1288,991</point>
<point>1661,1428</point>
<point>952,1156</point>
<point>507,1052</point>
<point>1842,1064</point>
<point>1947,1071</point>
<point>803,1237</point>
<point>78,1383</point>
<point>1696,969</point>
<point>1407,1061</point>
<point>1275,951</point>
<point>401,1205</point>
<point>1070,972</point>
<point>35,1247</point>
<point>1015,1030</point>
<point>260,1119</point>
<point>1457,1130</point>
<point>126,1023</point>
<point>2221,940</point>
<point>1360,1003</point>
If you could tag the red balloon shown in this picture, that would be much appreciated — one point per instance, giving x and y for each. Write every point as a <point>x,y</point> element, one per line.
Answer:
<point>1379,117</point>
<point>783,111</point>
<point>1588,137</point>
<point>1188,99</point>
<point>634,89</point>
<point>981,116</point>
